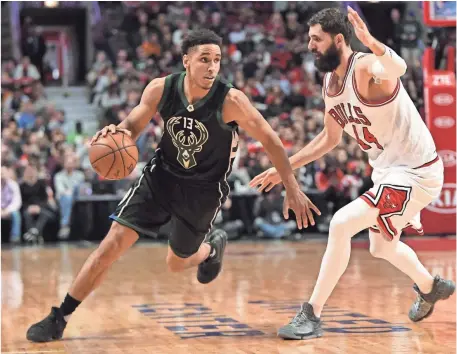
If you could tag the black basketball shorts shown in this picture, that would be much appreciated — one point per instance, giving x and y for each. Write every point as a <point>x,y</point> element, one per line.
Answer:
<point>158,197</point>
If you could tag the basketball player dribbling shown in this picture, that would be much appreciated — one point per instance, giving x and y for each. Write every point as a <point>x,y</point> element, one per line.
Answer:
<point>365,98</point>
<point>186,182</point>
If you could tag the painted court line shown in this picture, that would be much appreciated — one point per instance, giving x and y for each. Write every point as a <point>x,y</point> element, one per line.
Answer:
<point>36,351</point>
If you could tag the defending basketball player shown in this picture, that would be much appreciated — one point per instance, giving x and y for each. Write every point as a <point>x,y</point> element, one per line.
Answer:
<point>365,98</point>
<point>186,182</point>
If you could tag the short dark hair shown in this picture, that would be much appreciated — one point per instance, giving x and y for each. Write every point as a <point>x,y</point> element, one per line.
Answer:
<point>333,21</point>
<point>200,37</point>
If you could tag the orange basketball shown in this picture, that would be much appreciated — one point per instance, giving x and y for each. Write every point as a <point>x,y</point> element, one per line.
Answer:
<point>113,156</point>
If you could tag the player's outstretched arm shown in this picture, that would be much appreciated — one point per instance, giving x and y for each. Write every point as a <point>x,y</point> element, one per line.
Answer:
<point>385,64</point>
<point>238,108</point>
<point>325,141</point>
<point>140,116</point>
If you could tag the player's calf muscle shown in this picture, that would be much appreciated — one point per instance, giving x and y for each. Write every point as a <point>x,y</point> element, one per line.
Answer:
<point>116,242</point>
<point>178,264</point>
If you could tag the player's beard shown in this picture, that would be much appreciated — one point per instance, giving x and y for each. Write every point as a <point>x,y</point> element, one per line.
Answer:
<point>328,61</point>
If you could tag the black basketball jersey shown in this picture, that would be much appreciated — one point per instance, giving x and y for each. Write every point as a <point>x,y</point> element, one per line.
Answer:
<point>196,144</point>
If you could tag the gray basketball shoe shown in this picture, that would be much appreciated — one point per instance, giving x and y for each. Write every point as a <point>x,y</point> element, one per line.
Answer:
<point>305,325</point>
<point>424,304</point>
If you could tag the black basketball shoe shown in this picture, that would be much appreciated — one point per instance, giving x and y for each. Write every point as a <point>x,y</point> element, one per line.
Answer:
<point>425,303</point>
<point>211,267</point>
<point>49,329</point>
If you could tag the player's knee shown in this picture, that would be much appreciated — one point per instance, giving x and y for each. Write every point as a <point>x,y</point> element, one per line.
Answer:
<point>175,264</point>
<point>375,251</point>
<point>379,251</point>
<point>338,223</point>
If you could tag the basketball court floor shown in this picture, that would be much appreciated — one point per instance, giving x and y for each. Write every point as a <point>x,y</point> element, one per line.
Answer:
<point>142,308</point>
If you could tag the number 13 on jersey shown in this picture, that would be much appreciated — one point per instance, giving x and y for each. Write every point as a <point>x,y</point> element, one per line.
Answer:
<point>188,123</point>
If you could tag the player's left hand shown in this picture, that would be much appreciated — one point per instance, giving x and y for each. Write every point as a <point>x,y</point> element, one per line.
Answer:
<point>360,28</point>
<point>266,180</point>
<point>301,205</point>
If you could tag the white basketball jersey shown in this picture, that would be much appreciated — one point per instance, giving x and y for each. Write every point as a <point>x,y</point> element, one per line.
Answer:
<point>391,132</point>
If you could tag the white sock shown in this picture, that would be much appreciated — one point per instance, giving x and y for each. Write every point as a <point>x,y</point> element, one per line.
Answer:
<point>347,222</point>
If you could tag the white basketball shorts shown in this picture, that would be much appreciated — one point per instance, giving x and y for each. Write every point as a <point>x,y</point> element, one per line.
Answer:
<point>401,193</point>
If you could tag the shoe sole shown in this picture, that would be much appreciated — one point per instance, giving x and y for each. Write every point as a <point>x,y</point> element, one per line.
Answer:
<point>447,296</point>
<point>44,340</point>
<point>285,334</point>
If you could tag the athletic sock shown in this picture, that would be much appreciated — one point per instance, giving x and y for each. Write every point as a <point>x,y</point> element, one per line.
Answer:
<point>68,306</point>
<point>212,252</point>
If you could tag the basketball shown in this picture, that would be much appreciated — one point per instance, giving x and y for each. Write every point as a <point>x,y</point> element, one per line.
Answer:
<point>114,156</point>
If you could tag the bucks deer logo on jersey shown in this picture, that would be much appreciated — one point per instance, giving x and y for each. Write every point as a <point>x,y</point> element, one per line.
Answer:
<point>189,136</point>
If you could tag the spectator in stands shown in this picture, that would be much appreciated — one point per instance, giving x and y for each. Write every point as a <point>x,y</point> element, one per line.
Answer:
<point>112,97</point>
<point>8,70</point>
<point>14,102</point>
<point>38,206</point>
<point>34,47</point>
<point>329,181</point>
<point>395,36</point>
<point>410,34</point>
<point>26,117</point>
<point>106,78</point>
<point>100,64</point>
<point>65,182</point>
<point>224,221</point>
<point>152,46</point>
<point>26,71</point>
<point>268,215</point>
<point>11,203</point>
<point>38,97</point>
<point>8,156</point>
<point>77,136</point>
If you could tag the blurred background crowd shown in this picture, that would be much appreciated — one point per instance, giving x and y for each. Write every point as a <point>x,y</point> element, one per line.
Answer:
<point>45,166</point>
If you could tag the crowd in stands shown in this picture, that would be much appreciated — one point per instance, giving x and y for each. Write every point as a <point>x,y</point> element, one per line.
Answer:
<point>264,54</point>
<point>38,162</point>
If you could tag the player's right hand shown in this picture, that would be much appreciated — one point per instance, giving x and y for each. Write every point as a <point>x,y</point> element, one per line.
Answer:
<point>109,129</point>
<point>266,180</point>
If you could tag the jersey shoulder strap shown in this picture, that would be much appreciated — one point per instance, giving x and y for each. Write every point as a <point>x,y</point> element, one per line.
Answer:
<point>170,81</point>
<point>224,88</point>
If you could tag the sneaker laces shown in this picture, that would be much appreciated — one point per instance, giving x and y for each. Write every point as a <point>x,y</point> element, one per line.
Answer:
<point>419,302</point>
<point>299,317</point>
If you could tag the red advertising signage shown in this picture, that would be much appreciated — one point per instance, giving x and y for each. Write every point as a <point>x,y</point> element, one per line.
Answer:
<point>440,216</point>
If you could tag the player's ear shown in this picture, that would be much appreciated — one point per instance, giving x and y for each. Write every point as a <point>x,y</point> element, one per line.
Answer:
<point>339,39</point>
<point>185,61</point>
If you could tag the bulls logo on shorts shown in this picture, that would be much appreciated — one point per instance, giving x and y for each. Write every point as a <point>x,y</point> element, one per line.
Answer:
<point>390,200</point>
